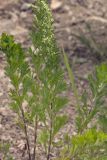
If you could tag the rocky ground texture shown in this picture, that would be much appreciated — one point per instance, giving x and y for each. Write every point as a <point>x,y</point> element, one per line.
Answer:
<point>71,17</point>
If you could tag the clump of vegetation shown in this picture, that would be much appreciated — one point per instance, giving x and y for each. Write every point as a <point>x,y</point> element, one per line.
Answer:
<point>90,140</point>
<point>91,105</point>
<point>91,144</point>
<point>97,49</point>
<point>38,80</point>
<point>4,149</point>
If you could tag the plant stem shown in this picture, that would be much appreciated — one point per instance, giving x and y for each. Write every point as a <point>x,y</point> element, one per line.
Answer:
<point>26,133</point>
<point>72,80</point>
<point>50,136</point>
<point>25,127</point>
<point>35,138</point>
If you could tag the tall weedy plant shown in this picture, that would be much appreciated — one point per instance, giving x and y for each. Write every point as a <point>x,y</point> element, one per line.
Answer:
<point>91,106</point>
<point>90,141</point>
<point>45,60</point>
<point>38,82</point>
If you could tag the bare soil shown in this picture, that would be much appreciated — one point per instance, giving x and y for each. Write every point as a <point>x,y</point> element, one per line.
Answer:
<point>71,17</point>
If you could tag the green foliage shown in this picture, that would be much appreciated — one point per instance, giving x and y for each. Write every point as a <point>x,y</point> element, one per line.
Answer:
<point>45,59</point>
<point>97,108</point>
<point>91,113</point>
<point>98,85</point>
<point>36,94</point>
<point>4,151</point>
<point>38,82</point>
<point>91,107</point>
<point>91,144</point>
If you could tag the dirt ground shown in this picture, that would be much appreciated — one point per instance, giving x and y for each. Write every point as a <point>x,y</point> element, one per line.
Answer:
<point>71,16</point>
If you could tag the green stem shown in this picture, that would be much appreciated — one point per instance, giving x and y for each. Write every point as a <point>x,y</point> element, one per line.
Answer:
<point>50,136</point>
<point>26,133</point>
<point>72,80</point>
<point>35,138</point>
<point>25,127</point>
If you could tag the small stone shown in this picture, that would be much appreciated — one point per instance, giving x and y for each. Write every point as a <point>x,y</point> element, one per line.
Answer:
<point>55,4</point>
<point>1,94</point>
<point>23,14</point>
<point>25,6</point>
